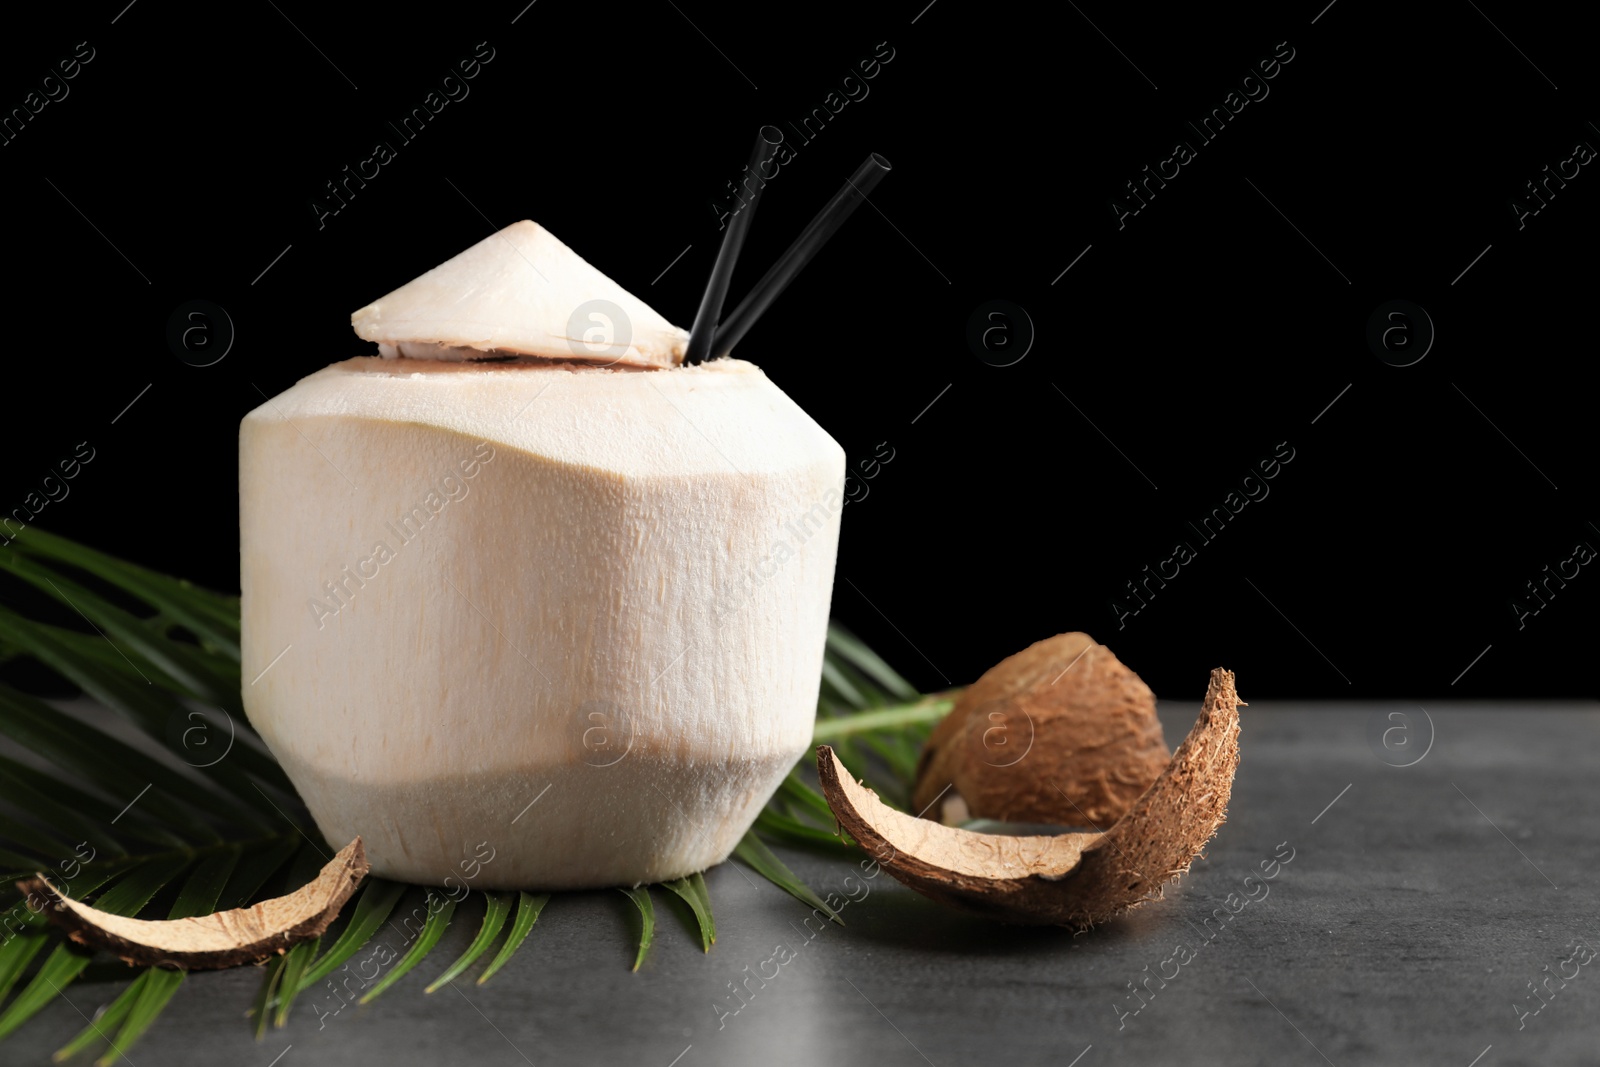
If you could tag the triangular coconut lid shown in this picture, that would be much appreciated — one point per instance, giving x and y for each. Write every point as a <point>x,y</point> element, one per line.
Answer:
<point>519,292</point>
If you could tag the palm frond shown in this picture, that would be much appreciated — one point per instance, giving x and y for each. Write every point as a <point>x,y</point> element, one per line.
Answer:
<point>112,824</point>
<point>791,831</point>
<point>692,891</point>
<point>640,895</point>
<point>260,1011</point>
<point>20,787</point>
<point>183,669</point>
<point>295,962</point>
<point>19,951</point>
<point>754,852</point>
<point>107,1021</point>
<point>377,901</point>
<point>890,722</point>
<point>529,905</point>
<point>157,988</point>
<point>114,766</point>
<point>496,909</point>
<point>255,868</point>
<point>106,820</point>
<point>133,1012</point>
<point>211,617</point>
<point>849,648</point>
<point>136,1008</point>
<point>440,909</point>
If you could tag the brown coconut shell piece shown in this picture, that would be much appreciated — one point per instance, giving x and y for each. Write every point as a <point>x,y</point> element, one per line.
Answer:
<point>221,939</point>
<point>1074,879</point>
<point>1062,732</point>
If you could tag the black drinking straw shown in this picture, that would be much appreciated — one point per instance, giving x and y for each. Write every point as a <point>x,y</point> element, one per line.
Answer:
<point>705,320</point>
<point>816,234</point>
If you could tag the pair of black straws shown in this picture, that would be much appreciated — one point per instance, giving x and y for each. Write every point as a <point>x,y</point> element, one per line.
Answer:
<point>710,339</point>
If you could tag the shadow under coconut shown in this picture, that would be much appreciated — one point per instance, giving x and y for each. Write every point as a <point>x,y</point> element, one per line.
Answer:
<point>895,916</point>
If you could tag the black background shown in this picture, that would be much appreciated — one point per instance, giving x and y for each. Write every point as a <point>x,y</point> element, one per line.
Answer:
<point>1176,353</point>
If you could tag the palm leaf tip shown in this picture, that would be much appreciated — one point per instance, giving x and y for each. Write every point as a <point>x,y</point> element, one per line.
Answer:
<point>15,955</point>
<point>529,905</point>
<point>260,1013</point>
<point>60,968</point>
<point>159,986</point>
<point>104,1023</point>
<point>440,909</point>
<point>377,901</point>
<point>295,963</point>
<point>640,895</point>
<point>496,908</point>
<point>753,851</point>
<point>850,648</point>
<point>692,891</point>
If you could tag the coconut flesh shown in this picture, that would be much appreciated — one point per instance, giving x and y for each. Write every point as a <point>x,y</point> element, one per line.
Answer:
<point>550,621</point>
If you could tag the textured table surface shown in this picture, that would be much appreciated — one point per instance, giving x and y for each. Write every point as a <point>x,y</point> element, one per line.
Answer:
<point>1420,903</point>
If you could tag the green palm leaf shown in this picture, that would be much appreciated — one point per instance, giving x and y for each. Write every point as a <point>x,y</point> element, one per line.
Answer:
<point>754,852</point>
<point>19,787</point>
<point>17,953</point>
<point>141,668</point>
<point>372,911</point>
<point>144,999</point>
<point>792,831</point>
<point>60,968</point>
<point>260,1011</point>
<point>923,712</point>
<point>640,895</point>
<point>845,645</point>
<point>257,865</point>
<point>794,791</point>
<point>133,824</point>
<point>529,905</point>
<point>128,826</point>
<point>440,908</point>
<point>840,684</point>
<point>210,617</point>
<point>30,839</point>
<point>116,767</point>
<point>692,891</point>
<point>185,669</point>
<point>105,1022</point>
<point>149,708</point>
<point>496,909</point>
<point>295,962</point>
<point>158,988</point>
<point>205,883</point>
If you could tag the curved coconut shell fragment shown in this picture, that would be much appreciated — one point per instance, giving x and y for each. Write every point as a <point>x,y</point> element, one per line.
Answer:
<point>1074,879</point>
<point>1061,732</point>
<point>222,939</point>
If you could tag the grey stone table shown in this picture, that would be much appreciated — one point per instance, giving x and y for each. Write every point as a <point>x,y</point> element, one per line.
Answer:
<point>1421,906</point>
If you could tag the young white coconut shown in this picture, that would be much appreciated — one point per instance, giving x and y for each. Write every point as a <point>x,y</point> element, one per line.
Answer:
<point>536,623</point>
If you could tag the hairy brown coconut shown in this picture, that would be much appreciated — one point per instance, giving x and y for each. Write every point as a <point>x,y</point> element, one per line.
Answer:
<point>1060,732</point>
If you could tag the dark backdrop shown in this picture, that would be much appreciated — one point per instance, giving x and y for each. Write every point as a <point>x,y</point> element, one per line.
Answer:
<point>1174,349</point>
